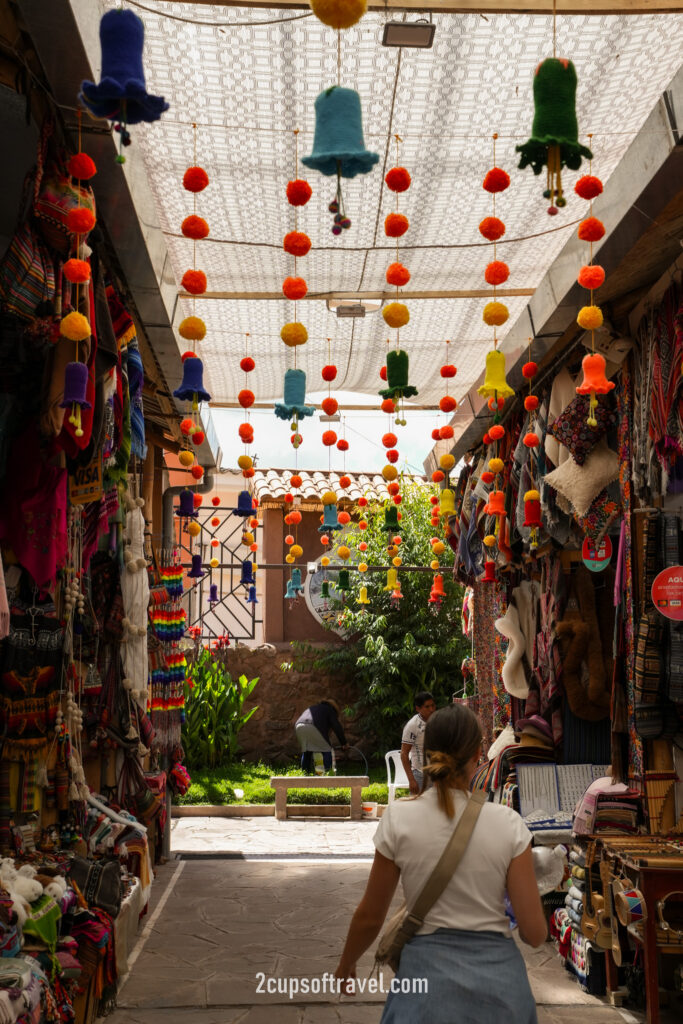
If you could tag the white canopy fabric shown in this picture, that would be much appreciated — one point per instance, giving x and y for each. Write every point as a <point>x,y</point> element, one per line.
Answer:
<point>249,85</point>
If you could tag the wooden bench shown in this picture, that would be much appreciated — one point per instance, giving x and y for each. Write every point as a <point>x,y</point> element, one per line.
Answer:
<point>281,783</point>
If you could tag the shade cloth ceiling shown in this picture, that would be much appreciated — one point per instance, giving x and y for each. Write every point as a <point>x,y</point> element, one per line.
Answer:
<point>247,86</point>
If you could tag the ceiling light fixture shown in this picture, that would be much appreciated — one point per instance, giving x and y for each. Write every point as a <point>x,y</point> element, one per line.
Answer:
<point>353,307</point>
<point>419,34</point>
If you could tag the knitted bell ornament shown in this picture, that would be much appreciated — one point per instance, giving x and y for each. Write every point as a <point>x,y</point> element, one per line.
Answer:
<point>554,141</point>
<point>192,386</point>
<point>495,383</point>
<point>397,376</point>
<point>121,92</point>
<point>294,401</point>
<point>75,388</point>
<point>338,144</point>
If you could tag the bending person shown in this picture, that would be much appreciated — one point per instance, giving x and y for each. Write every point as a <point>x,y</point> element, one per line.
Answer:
<point>313,729</point>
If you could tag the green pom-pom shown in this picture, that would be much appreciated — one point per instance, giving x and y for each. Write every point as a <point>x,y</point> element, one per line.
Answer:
<point>120,159</point>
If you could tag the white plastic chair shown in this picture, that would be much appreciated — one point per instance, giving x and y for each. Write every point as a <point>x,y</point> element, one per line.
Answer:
<point>400,781</point>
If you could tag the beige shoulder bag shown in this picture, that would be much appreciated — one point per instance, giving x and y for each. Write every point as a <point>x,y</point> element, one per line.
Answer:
<point>405,923</point>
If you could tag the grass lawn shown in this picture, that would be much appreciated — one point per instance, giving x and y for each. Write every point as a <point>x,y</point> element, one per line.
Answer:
<point>218,785</point>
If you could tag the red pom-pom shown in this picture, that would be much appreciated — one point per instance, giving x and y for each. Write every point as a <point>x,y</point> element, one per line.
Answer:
<point>389,440</point>
<point>329,438</point>
<point>396,225</point>
<point>388,405</point>
<point>247,364</point>
<point>245,430</point>
<point>77,271</point>
<point>197,472</point>
<point>588,187</point>
<point>529,369</point>
<point>434,500</point>
<point>438,476</point>
<point>195,179</point>
<point>294,288</point>
<point>492,228</point>
<point>81,166</point>
<point>188,355</point>
<point>289,499</point>
<point>362,502</point>
<point>494,403</point>
<point>194,282</point>
<point>487,477</point>
<point>194,227</point>
<point>329,372</point>
<point>298,192</point>
<point>531,440</point>
<point>591,230</point>
<point>448,370</point>
<point>186,426</point>
<point>448,404</point>
<point>591,276</point>
<point>383,373</point>
<point>392,455</point>
<point>436,434</point>
<point>496,273</point>
<point>397,500</point>
<point>289,538</point>
<point>197,437</point>
<point>80,220</point>
<point>343,444</point>
<point>245,398</point>
<point>397,179</point>
<point>393,487</point>
<point>531,403</point>
<point>295,481</point>
<point>197,500</point>
<point>329,405</point>
<point>248,474</point>
<point>496,432</point>
<point>486,438</point>
<point>446,432</point>
<point>397,274</point>
<point>216,501</point>
<point>344,481</point>
<point>296,243</point>
<point>496,180</point>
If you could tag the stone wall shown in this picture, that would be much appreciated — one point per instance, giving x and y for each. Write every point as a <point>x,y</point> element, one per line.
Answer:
<point>281,696</point>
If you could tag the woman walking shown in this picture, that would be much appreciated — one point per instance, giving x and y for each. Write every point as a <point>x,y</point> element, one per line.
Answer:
<point>475,972</point>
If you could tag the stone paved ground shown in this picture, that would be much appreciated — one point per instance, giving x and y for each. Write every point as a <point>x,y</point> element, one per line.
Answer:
<point>216,922</point>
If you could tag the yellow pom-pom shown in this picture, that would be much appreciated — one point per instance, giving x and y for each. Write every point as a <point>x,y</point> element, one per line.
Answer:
<point>247,538</point>
<point>447,462</point>
<point>192,328</point>
<point>214,563</point>
<point>495,314</point>
<point>296,550</point>
<point>289,559</point>
<point>590,318</point>
<point>489,540</point>
<point>245,462</point>
<point>397,560</point>
<point>396,314</point>
<point>185,458</point>
<point>343,552</point>
<point>496,465</point>
<point>532,496</point>
<point>389,472</point>
<point>75,327</point>
<point>435,564</point>
<point>438,547</point>
<point>329,498</point>
<point>339,13</point>
<point>324,561</point>
<point>363,567</point>
<point>194,529</point>
<point>294,334</point>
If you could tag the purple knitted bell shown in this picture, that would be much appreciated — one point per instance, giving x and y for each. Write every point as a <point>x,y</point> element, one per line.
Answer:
<point>75,386</point>
<point>213,594</point>
<point>186,509</point>
<point>195,572</point>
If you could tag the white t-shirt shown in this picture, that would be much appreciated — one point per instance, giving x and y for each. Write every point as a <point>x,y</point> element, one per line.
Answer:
<point>414,832</point>
<point>414,733</point>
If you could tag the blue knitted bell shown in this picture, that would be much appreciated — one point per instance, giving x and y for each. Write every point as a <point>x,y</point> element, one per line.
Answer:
<point>330,521</point>
<point>296,580</point>
<point>338,145</point>
<point>196,570</point>
<point>192,386</point>
<point>294,401</point>
<point>247,577</point>
<point>213,594</point>
<point>251,596</point>
<point>290,593</point>
<point>245,505</point>
<point>122,92</point>
<point>186,509</point>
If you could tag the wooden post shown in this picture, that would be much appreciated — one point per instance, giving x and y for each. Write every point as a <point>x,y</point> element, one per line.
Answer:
<point>281,803</point>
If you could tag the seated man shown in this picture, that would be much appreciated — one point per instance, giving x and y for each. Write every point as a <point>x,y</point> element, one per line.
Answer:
<point>413,740</point>
<point>313,731</point>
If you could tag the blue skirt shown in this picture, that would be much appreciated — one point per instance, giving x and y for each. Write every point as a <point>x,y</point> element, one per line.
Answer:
<point>473,978</point>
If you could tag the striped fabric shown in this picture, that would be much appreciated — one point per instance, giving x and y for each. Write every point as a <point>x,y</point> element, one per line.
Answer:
<point>27,274</point>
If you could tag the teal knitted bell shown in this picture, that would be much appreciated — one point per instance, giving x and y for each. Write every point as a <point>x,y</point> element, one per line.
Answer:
<point>338,144</point>
<point>294,401</point>
<point>330,521</point>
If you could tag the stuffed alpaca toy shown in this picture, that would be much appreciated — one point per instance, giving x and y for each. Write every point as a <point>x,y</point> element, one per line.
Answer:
<point>581,646</point>
<point>21,889</point>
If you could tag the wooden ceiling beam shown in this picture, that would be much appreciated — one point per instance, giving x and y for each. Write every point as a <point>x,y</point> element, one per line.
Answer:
<point>472,293</point>
<point>564,7</point>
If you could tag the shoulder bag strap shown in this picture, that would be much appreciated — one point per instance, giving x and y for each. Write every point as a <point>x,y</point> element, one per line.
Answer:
<point>450,858</point>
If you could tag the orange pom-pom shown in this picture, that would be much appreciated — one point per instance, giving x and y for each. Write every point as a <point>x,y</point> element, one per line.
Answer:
<point>247,364</point>
<point>245,398</point>
<point>396,225</point>
<point>296,243</point>
<point>188,355</point>
<point>194,227</point>
<point>531,440</point>
<point>397,274</point>
<point>388,405</point>
<point>81,166</point>
<point>247,474</point>
<point>436,434</point>
<point>362,502</point>
<point>496,432</point>
<point>197,472</point>
<point>447,403</point>
<point>392,455</point>
<point>494,403</point>
<point>186,426</point>
<point>298,192</point>
<point>492,228</point>
<point>487,477</point>
<point>80,220</point>
<point>289,539</point>
<point>591,276</point>
<point>195,179</point>
<point>194,282</point>
<point>530,369</point>
<point>393,488</point>
<point>344,481</point>
<point>496,180</point>
<point>591,230</point>
<point>344,518</point>
<point>383,373</point>
<point>445,433</point>
<point>343,444</point>
<point>496,272</point>
<point>329,372</point>
<point>438,476</point>
<point>294,288</point>
<point>329,438</point>
<point>531,403</point>
<point>77,271</point>
<point>245,430</point>
<point>398,179</point>
<point>389,440</point>
<point>588,187</point>
<point>448,370</point>
<point>329,406</point>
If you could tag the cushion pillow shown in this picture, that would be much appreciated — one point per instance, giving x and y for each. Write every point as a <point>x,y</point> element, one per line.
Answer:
<point>571,429</point>
<point>581,484</point>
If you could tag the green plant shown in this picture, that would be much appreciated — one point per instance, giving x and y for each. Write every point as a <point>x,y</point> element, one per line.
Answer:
<point>396,648</point>
<point>214,711</point>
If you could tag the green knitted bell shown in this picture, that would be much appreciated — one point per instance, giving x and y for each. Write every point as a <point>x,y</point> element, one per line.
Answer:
<point>554,141</point>
<point>391,522</point>
<point>397,376</point>
<point>343,582</point>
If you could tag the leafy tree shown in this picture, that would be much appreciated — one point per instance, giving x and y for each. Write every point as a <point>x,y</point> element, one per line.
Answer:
<point>395,648</point>
<point>214,712</point>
